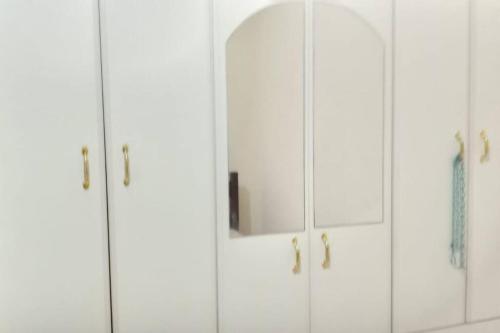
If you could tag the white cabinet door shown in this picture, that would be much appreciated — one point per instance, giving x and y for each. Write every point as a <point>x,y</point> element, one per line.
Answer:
<point>259,48</point>
<point>352,167</point>
<point>484,230</point>
<point>158,101</point>
<point>53,233</point>
<point>431,105</point>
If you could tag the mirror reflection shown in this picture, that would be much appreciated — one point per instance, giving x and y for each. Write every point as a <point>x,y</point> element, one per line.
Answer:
<point>264,65</point>
<point>348,118</point>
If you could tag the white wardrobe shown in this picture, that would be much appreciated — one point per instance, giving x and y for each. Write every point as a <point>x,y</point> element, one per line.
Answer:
<point>242,166</point>
<point>107,219</point>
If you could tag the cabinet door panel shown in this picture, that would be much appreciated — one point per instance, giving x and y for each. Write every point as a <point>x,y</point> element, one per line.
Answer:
<point>484,230</point>
<point>53,233</point>
<point>352,166</point>
<point>431,105</point>
<point>158,97</point>
<point>259,47</point>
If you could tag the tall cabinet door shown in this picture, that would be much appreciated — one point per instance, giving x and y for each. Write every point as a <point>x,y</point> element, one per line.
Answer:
<point>159,135</point>
<point>484,236</point>
<point>262,244</point>
<point>351,239</point>
<point>53,231</point>
<point>431,106</point>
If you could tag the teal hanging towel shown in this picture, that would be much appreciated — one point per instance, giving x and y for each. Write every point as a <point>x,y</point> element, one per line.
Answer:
<point>457,258</point>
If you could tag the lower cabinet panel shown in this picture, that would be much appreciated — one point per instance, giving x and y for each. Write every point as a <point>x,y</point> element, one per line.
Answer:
<point>259,292</point>
<point>354,294</point>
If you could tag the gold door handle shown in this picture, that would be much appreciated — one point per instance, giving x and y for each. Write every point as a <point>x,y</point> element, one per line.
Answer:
<point>326,262</point>
<point>296,268</point>
<point>486,153</point>
<point>460,141</point>
<point>86,172</point>
<point>126,180</point>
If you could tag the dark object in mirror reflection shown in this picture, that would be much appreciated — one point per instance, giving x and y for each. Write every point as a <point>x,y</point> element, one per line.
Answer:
<point>234,209</point>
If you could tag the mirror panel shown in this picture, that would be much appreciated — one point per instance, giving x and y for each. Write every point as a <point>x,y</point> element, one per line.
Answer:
<point>348,118</point>
<point>264,73</point>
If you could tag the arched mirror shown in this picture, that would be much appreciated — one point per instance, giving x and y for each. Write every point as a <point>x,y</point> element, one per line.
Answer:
<point>264,74</point>
<point>348,118</point>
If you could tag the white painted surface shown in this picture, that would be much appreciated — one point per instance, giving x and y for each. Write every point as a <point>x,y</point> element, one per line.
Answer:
<point>258,291</point>
<point>348,117</point>
<point>484,239</point>
<point>354,294</point>
<point>431,104</point>
<point>158,88</point>
<point>264,66</point>
<point>53,234</point>
<point>492,326</point>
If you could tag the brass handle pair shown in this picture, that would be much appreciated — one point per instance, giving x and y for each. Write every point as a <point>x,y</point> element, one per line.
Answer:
<point>326,261</point>
<point>86,168</point>
<point>486,143</point>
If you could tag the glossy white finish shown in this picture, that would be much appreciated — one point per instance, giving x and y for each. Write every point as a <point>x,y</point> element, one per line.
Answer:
<point>354,294</point>
<point>258,291</point>
<point>431,105</point>
<point>484,236</point>
<point>158,88</point>
<point>53,234</point>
